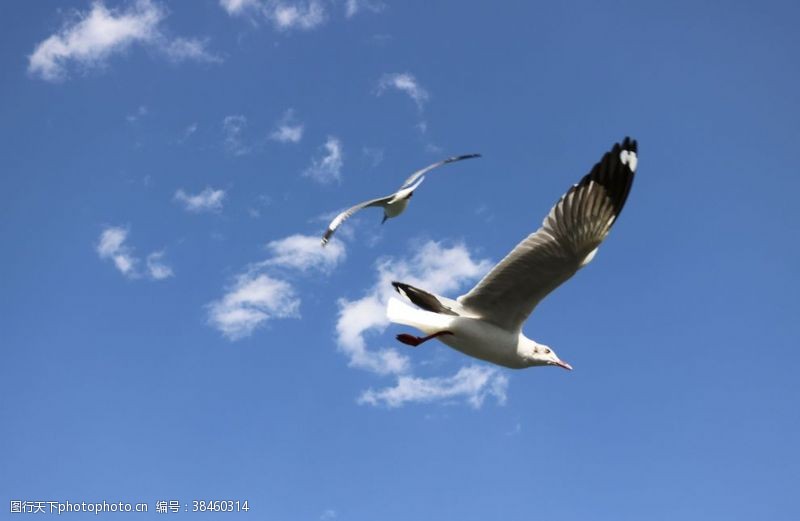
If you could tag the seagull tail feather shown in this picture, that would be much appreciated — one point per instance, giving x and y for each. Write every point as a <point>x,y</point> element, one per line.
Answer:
<point>401,313</point>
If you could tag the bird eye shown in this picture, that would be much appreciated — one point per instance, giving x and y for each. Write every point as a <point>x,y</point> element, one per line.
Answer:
<point>546,351</point>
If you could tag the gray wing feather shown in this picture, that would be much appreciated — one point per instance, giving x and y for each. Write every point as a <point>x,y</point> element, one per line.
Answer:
<point>421,172</point>
<point>343,216</point>
<point>566,241</point>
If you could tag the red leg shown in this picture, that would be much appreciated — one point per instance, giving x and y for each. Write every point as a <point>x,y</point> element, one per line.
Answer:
<point>414,341</point>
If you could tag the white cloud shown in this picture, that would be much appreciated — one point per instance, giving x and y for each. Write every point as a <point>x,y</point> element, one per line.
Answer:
<point>111,241</point>
<point>404,82</point>
<point>472,383</point>
<point>352,7</point>
<point>156,268</point>
<point>304,253</point>
<point>257,296</point>
<point>296,15</point>
<point>437,268</point>
<point>433,148</point>
<point>112,246</point>
<point>138,114</point>
<point>209,200</point>
<point>328,167</point>
<point>284,15</point>
<point>288,134</point>
<point>287,129</point>
<point>236,7</point>
<point>233,128</point>
<point>91,38</point>
<point>189,49</point>
<point>328,514</point>
<point>188,132</point>
<point>355,319</point>
<point>252,300</point>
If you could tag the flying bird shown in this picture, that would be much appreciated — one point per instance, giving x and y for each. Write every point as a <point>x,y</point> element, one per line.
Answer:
<point>486,323</point>
<point>393,204</point>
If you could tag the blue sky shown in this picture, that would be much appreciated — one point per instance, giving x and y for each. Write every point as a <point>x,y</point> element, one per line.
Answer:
<point>171,329</point>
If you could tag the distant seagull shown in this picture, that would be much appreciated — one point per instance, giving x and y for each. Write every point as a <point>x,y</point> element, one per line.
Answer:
<point>486,323</point>
<point>394,204</point>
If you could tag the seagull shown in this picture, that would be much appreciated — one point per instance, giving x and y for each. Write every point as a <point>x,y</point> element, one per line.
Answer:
<point>393,204</point>
<point>486,323</point>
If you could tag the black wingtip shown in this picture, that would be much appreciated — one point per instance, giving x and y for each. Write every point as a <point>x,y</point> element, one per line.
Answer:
<point>399,287</point>
<point>629,144</point>
<point>615,172</point>
<point>326,237</point>
<point>459,158</point>
<point>422,298</point>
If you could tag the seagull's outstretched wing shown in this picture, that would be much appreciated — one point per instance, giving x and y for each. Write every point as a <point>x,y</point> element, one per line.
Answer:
<point>342,217</point>
<point>419,173</point>
<point>567,240</point>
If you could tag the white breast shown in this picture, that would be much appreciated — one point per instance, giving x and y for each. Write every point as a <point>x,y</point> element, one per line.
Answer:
<point>483,340</point>
<point>395,208</point>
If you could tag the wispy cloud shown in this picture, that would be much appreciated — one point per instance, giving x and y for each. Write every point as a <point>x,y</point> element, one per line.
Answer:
<point>263,291</point>
<point>327,166</point>
<point>140,112</point>
<point>284,15</point>
<point>89,39</point>
<point>233,128</point>
<point>237,7</point>
<point>515,430</point>
<point>209,200</point>
<point>156,267</point>
<point>303,253</point>
<point>472,383</point>
<point>353,7</point>
<point>189,49</point>
<point>328,514</point>
<point>188,132</point>
<point>112,246</point>
<point>288,130</point>
<point>253,299</point>
<point>405,83</point>
<point>296,15</point>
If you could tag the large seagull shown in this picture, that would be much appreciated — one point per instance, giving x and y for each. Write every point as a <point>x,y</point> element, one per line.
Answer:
<point>393,204</point>
<point>486,323</point>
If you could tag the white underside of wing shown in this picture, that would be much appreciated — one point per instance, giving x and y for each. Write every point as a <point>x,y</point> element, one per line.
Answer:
<point>343,216</point>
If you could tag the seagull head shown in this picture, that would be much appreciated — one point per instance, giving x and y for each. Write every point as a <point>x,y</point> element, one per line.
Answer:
<point>540,354</point>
